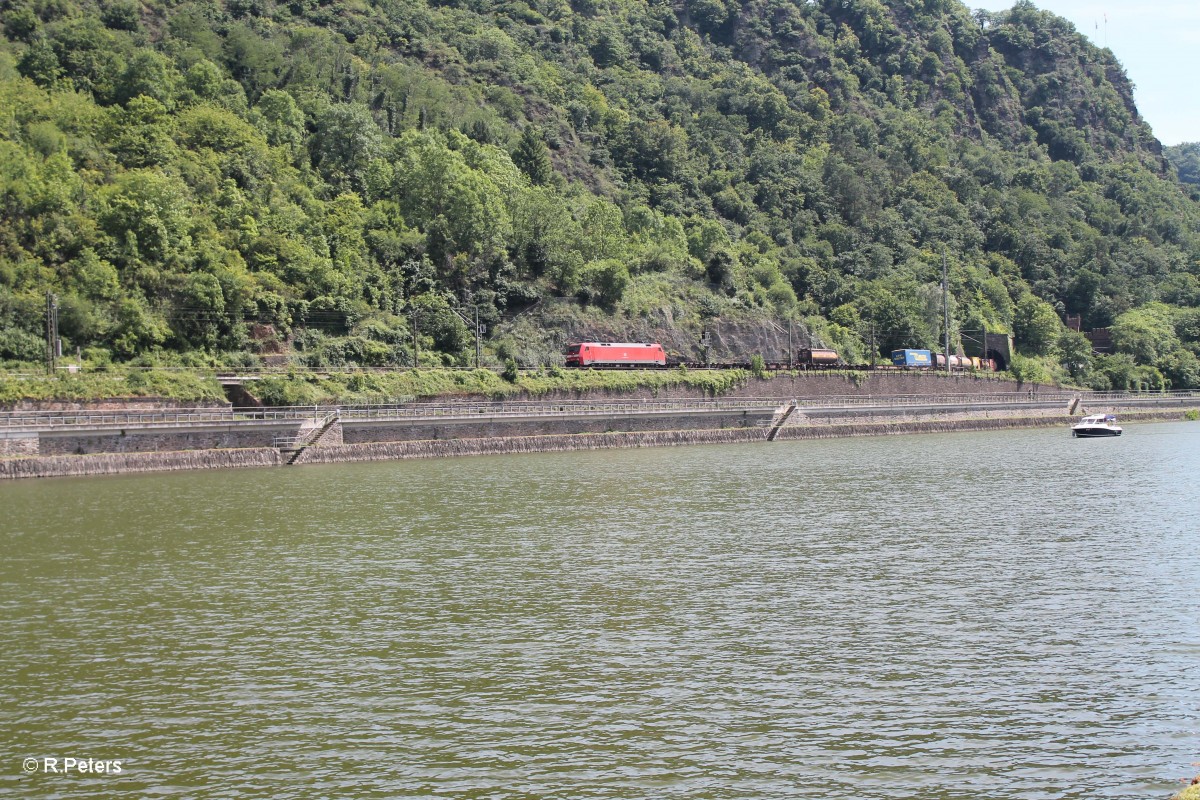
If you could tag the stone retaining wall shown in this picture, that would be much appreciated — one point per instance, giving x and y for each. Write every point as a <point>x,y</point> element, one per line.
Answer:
<point>813,384</point>
<point>886,427</point>
<point>114,463</point>
<point>817,417</point>
<point>18,443</point>
<point>157,440</point>
<point>110,463</point>
<point>386,451</point>
<point>894,427</point>
<point>358,432</point>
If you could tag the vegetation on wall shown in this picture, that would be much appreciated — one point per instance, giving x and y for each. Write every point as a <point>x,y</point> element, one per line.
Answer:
<point>204,182</point>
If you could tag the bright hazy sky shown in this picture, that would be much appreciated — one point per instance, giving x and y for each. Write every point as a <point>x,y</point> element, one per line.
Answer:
<point>1158,43</point>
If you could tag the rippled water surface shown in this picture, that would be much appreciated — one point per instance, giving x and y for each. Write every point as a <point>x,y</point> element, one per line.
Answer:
<point>994,615</point>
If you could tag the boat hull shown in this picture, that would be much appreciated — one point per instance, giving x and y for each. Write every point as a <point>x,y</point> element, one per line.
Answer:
<point>1095,434</point>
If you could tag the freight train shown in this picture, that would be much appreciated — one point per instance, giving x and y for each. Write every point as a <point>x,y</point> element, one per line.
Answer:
<point>918,359</point>
<point>650,355</point>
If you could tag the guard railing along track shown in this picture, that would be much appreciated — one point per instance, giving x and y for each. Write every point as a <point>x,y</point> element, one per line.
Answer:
<point>150,419</point>
<point>463,410</point>
<point>994,398</point>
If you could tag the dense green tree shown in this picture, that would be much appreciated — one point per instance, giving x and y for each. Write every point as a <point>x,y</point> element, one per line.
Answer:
<point>137,328</point>
<point>533,157</point>
<point>1181,368</point>
<point>1119,372</point>
<point>1036,327</point>
<point>145,215</point>
<point>544,233</point>
<point>1186,160</point>
<point>121,15</point>
<point>345,140</point>
<point>895,317</point>
<point>40,64</point>
<point>280,118</point>
<point>1147,333</point>
<point>141,133</point>
<point>607,281</point>
<point>148,74</point>
<point>1075,353</point>
<point>436,320</point>
<point>20,23</point>
<point>461,209</point>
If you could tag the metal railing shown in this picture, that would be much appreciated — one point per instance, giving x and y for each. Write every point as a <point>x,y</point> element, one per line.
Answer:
<point>560,408</point>
<point>55,419</point>
<point>146,419</point>
<point>994,398</point>
<point>322,415</point>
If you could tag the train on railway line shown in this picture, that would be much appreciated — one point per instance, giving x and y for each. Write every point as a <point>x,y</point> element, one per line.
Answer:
<point>616,355</point>
<point>924,359</point>
<point>651,355</point>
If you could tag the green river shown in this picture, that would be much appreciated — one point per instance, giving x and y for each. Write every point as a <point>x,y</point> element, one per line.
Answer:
<point>975,615</point>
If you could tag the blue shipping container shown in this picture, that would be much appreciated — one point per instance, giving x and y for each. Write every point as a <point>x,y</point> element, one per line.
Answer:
<point>911,358</point>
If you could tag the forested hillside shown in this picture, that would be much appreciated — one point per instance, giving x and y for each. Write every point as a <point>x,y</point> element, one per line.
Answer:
<point>225,182</point>
<point>1186,160</point>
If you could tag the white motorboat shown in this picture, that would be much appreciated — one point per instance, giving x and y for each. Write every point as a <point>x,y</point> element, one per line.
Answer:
<point>1095,426</point>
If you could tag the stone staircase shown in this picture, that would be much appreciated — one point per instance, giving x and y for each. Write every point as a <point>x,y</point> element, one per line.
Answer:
<point>781,417</point>
<point>310,436</point>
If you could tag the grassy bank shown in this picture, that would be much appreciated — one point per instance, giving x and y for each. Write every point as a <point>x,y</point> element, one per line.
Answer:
<point>300,387</point>
<point>181,386</point>
<point>310,388</point>
<point>382,387</point>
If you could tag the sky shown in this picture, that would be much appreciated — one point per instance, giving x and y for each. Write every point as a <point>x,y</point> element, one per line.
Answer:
<point>1158,43</point>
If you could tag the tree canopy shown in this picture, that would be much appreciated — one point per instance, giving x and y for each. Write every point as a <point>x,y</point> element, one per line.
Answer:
<point>229,181</point>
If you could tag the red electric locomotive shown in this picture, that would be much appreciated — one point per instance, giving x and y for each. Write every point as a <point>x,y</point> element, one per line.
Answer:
<point>605,355</point>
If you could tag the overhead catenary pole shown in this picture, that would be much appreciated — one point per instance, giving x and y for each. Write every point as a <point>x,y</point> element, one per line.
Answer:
<point>478,333</point>
<point>946,307</point>
<point>791,345</point>
<point>52,344</point>
<point>416,353</point>
<point>478,330</point>
<point>874,354</point>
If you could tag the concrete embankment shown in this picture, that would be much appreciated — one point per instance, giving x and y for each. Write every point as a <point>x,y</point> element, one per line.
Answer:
<point>117,463</point>
<point>842,430</point>
<point>381,451</point>
<point>337,452</point>
<point>437,448</point>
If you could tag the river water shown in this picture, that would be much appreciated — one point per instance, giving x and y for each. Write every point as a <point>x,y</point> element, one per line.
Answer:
<point>977,615</point>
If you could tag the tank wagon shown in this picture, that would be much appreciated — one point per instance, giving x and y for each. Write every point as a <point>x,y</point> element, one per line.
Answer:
<point>818,358</point>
